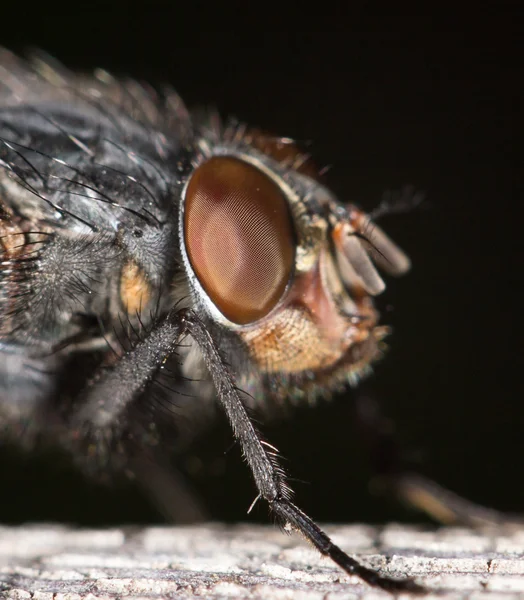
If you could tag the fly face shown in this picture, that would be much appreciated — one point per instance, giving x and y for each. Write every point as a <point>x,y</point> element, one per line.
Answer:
<point>273,256</point>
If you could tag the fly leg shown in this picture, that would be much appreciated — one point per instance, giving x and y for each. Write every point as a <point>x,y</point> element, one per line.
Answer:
<point>268,475</point>
<point>446,506</point>
<point>394,474</point>
<point>105,402</point>
<point>169,491</point>
<point>99,422</point>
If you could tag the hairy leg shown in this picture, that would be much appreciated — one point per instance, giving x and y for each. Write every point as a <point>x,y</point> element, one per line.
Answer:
<point>116,389</point>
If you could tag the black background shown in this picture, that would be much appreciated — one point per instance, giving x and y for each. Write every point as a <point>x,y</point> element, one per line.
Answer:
<point>387,99</point>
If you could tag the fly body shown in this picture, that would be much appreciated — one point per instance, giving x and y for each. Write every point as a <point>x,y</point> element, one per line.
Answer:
<point>141,243</point>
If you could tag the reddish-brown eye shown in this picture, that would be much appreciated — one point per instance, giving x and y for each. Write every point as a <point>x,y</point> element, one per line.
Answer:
<point>239,237</point>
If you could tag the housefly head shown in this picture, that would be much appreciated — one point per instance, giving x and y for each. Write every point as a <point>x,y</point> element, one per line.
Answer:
<point>273,255</point>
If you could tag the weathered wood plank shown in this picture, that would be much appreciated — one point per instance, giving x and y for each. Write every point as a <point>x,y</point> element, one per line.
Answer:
<point>215,561</point>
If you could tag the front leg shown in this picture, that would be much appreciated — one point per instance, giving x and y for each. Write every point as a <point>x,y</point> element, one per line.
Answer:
<point>116,390</point>
<point>268,474</point>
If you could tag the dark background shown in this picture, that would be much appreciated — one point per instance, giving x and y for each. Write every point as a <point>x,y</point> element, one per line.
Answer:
<point>430,100</point>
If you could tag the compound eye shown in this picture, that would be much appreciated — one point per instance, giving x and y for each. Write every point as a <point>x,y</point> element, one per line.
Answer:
<point>239,237</point>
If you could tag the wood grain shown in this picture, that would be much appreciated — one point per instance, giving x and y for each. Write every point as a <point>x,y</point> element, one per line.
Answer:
<point>215,561</point>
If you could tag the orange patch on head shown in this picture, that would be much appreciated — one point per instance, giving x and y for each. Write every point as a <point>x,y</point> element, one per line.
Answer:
<point>291,343</point>
<point>135,291</point>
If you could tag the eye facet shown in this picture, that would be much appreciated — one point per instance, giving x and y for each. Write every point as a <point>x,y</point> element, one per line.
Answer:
<point>239,237</point>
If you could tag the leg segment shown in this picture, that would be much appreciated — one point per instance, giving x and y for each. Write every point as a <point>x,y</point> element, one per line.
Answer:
<point>394,475</point>
<point>269,476</point>
<point>116,389</point>
<point>168,490</point>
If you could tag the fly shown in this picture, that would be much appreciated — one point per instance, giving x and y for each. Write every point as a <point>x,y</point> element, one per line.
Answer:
<point>145,246</point>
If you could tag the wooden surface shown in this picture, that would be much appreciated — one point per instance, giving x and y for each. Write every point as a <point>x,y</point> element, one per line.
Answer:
<point>214,561</point>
